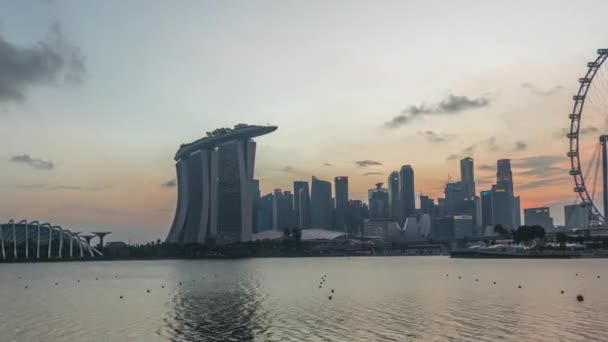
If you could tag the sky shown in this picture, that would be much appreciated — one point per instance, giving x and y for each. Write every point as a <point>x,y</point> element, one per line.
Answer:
<point>96,97</point>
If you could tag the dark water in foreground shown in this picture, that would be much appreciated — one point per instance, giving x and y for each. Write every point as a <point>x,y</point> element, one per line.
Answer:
<point>375,299</point>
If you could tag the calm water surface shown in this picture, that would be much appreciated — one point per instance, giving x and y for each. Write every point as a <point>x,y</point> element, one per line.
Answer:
<point>375,299</point>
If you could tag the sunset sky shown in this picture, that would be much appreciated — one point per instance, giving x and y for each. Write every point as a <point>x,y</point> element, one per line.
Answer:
<point>96,97</point>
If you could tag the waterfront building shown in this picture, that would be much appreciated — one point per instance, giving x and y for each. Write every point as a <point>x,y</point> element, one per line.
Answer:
<point>321,204</point>
<point>301,204</point>
<point>355,215</point>
<point>443,228</point>
<point>378,202</point>
<point>32,241</point>
<point>341,193</point>
<point>463,226</point>
<point>393,196</point>
<point>256,194</point>
<point>576,216</point>
<point>486,209</point>
<point>467,178</point>
<point>265,213</point>
<point>540,216</point>
<point>407,195</point>
<point>215,184</point>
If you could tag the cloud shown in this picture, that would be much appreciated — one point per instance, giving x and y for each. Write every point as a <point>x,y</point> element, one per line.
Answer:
<point>487,167</point>
<point>170,183</point>
<point>543,182</point>
<point>520,146</point>
<point>61,187</point>
<point>540,166</point>
<point>327,164</point>
<point>50,60</point>
<point>36,163</point>
<point>451,104</point>
<point>372,173</point>
<point>541,92</point>
<point>435,137</point>
<point>289,169</point>
<point>583,131</point>
<point>366,163</point>
<point>488,145</point>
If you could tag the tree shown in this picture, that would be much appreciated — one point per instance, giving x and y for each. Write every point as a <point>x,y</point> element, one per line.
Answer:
<point>561,238</point>
<point>501,231</point>
<point>526,234</point>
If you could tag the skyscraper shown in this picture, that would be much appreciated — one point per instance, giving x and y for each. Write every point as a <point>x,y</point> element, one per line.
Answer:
<point>301,204</point>
<point>266,213</point>
<point>282,210</point>
<point>467,178</point>
<point>576,216</point>
<point>486,209</point>
<point>540,217</point>
<point>393,195</point>
<point>215,185</point>
<point>504,176</point>
<point>321,204</point>
<point>341,192</point>
<point>407,195</point>
<point>378,202</point>
<point>256,194</point>
<point>427,205</point>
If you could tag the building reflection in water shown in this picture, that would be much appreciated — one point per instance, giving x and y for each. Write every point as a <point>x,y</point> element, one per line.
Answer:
<point>221,313</point>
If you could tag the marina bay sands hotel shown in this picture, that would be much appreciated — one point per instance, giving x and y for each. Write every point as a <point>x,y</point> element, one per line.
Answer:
<point>215,185</point>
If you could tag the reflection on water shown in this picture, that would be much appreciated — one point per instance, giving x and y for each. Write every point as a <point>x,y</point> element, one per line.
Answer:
<point>218,314</point>
<point>374,299</point>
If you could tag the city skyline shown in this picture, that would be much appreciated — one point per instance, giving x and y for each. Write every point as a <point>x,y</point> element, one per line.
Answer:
<point>101,128</point>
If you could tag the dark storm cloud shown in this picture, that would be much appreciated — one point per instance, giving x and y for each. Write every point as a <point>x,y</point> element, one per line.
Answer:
<point>540,166</point>
<point>451,104</point>
<point>50,60</point>
<point>366,163</point>
<point>539,91</point>
<point>36,163</point>
<point>435,137</point>
<point>170,183</point>
<point>372,173</point>
<point>520,146</point>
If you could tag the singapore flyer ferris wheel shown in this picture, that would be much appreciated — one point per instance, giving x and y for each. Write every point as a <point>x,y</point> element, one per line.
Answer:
<point>588,136</point>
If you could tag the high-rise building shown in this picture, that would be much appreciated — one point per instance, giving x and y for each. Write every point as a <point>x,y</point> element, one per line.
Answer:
<point>321,204</point>
<point>467,178</point>
<point>516,212</point>
<point>504,176</point>
<point>502,207</point>
<point>407,195</point>
<point>256,193</point>
<point>393,195</point>
<point>486,209</point>
<point>215,185</point>
<point>341,193</point>
<point>378,202</point>
<point>282,210</point>
<point>355,215</point>
<point>538,217</point>
<point>427,205</point>
<point>443,228</point>
<point>463,226</point>
<point>454,199</point>
<point>265,213</point>
<point>301,204</point>
<point>576,216</point>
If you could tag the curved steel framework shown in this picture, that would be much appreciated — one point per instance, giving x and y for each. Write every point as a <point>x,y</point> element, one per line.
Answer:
<point>575,123</point>
<point>19,237</point>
